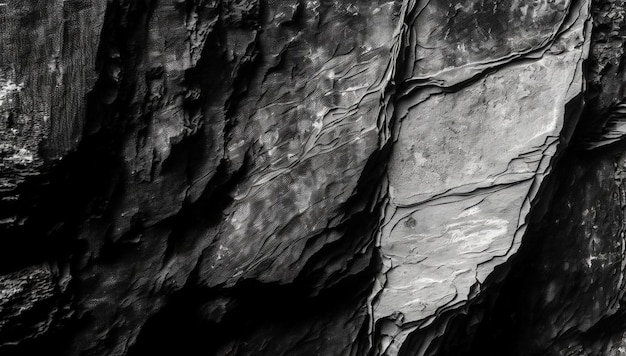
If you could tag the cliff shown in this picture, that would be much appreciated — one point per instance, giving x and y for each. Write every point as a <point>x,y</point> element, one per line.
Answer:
<point>312,177</point>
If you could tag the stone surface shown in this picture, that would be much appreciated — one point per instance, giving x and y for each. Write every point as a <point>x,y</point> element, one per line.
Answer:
<point>306,177</point>
<point>579,271</point>
<point>47,67</point>
<point>26,302</point>
<point>467,166</point>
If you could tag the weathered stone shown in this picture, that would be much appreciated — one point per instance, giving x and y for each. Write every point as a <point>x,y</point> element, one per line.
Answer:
<point>47,67</point>
<point>467,167</point>
<point>281,177</point>
<point>26,304</point>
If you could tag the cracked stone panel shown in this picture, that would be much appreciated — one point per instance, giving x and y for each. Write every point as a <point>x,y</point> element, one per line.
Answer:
<point>463,176</point>
<point>433,250</point>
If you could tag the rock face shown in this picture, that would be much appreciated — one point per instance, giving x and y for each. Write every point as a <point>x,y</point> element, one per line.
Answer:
<point>295,177</point>
<point>469,163</point>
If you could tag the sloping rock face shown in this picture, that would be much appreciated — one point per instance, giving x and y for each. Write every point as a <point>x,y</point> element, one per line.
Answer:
<point>469,163</point>
<point>295,177</point>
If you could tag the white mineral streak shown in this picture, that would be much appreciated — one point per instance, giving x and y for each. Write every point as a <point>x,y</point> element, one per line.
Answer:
<point>463,176</point>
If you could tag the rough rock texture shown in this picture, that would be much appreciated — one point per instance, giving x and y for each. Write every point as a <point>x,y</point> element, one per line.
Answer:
<point>468,164</point>
<point>312,177</point>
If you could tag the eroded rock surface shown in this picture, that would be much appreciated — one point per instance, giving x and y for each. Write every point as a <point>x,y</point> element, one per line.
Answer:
<point>283,177</point>
<point>467,164</point>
